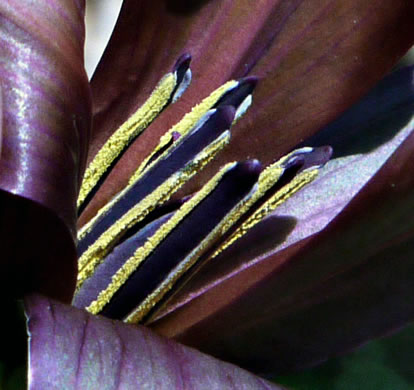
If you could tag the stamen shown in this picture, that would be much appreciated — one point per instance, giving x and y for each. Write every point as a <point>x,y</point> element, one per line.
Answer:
<point>166,248</point>
<point>189,156</point>
<point>305,162</point>
<point>184,149</point>
<point>101,278</point>
<point>276,184</point>
<point>171,86</point>
<point>234,93</point>
<point>130,263</point>
<point>184,76</point>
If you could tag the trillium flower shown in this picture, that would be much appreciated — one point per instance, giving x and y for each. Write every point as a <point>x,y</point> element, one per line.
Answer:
<point>269,269</point>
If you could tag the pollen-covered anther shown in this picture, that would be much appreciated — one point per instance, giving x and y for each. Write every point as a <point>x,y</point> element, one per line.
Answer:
<point>236,93</point>
<point>149,274</point>
<point>168,90</point>
<point>277,183</point>
<point>131,279</point>
<point>170,171</point>
<point>239,96</point>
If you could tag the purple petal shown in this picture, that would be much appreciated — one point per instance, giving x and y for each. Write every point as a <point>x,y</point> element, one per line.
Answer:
<point>70,349</point>
<point>346,286</point>
<point>46,120</point>
<point>284,306</point>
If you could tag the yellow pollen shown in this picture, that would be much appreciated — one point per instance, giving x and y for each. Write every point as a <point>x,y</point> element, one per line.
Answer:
<point>122,137</point>
<point>269,206</point>
<point>208,248</point>
<point>122,275</point>
<point>186,124</point>
<point>96,252</point>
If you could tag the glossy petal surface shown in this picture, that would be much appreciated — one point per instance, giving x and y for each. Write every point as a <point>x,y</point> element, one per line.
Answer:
<point>314,296</point>
<point>46,120</point>
<point>314,58</point>
<point>70,349</point>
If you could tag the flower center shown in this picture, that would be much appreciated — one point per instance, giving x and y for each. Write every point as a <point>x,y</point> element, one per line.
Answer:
<point>136,252</point>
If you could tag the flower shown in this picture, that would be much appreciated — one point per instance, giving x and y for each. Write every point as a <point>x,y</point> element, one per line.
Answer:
<point>314,59</point>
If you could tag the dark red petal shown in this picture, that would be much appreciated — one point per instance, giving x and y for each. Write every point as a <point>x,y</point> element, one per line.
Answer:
<point>351,283</point>
<point>70,349</point>
<point>46,120</point>
<point>314,59</point>
<point>271,310</point>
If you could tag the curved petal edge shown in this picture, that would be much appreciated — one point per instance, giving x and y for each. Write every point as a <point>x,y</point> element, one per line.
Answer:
<point>70,349</point>
<point>45,133</point>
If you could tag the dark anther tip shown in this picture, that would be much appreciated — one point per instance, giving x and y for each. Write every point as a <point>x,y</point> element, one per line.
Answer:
<point>183,63</point>
<point>250,82</point>
<point>325,153</point>
<point>251,167</point>
<point>311,157</point>
<point>319,156</point>
<point>236,96</point>
<point>243,175</point>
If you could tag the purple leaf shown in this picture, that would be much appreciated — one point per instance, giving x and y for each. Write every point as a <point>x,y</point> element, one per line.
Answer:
<point>46,120</point>
<point>70,349</point>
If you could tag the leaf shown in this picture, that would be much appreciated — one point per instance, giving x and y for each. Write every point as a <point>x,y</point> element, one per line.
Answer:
<point>70,349</point>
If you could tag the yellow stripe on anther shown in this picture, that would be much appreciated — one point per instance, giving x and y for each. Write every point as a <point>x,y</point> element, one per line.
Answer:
<point>267,179</point>
<point>269,206</point>
<point>122,275</point>
<point>126,133</point>
<point>186,124</point>
<point>96,252</point>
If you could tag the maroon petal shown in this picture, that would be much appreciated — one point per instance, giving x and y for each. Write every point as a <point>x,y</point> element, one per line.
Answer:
<point>314,58</point>
<point>46,120</point>
<point>351,283</point>
<point>70,349</point>
<point>270,309</point>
